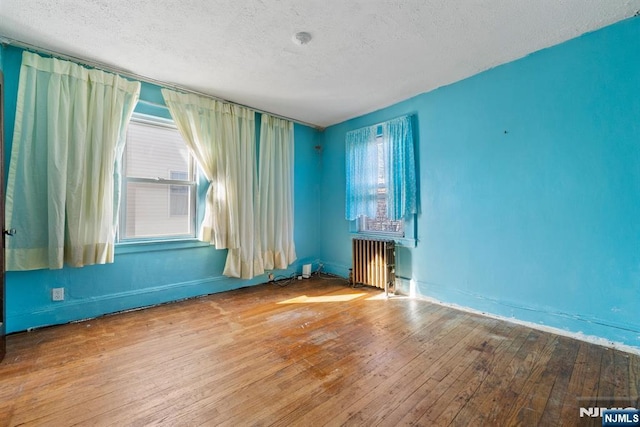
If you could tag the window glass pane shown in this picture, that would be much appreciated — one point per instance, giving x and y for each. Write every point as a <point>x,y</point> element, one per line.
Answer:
<point>178,200</point>
<point>156,152</point>
<point>381,223</point>
<point>178,195</point>
<point>159,187</point>
<point>152,210</point>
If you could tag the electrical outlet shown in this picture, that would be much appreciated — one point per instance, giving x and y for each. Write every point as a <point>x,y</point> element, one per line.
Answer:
<point>57,294</point>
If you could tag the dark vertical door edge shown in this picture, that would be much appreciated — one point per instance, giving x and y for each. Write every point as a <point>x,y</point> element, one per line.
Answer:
<point>3,315</point>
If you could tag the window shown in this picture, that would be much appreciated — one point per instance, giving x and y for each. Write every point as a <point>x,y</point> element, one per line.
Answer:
<point>159,182</point>
<point>380,223</point>
<point>381,188</point>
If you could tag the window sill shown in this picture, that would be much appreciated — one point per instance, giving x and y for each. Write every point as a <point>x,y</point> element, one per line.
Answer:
<point>400,241</point>
<point>157,245</point>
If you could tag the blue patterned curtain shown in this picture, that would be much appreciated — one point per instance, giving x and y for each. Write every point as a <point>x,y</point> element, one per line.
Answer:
<point>362,173</point>
<point>400,168</point>
<point>362,169</point>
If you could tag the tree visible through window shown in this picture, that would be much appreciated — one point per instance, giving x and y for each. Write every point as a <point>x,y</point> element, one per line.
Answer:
<point>159,185</point>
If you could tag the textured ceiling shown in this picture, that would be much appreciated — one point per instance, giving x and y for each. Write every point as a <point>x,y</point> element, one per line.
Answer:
<point>365,54</point>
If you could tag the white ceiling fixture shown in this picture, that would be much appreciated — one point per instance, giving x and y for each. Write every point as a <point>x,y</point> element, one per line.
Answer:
<point>365,54</point>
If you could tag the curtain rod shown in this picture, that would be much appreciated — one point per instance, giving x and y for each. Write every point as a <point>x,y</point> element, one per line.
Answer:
<point>105,67</point>
<point>385,121</point>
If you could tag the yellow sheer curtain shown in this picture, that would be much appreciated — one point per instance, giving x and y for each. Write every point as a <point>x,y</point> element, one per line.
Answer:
<point>221,137</point>
<point>61,192</point>
<point>275,201</point>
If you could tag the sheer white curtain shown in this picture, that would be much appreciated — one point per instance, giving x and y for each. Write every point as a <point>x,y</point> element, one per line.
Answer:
<point>221,137</point>
<point>70,126</point>
<point>275,199</point>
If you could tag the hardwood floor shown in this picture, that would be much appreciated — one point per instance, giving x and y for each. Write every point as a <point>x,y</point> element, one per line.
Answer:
<point>313,353</point>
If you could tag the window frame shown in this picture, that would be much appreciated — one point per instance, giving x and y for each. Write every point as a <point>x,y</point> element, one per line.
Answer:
<point>161,122</point>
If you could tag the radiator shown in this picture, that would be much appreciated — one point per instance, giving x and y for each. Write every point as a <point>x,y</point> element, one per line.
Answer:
<point>374,263</point>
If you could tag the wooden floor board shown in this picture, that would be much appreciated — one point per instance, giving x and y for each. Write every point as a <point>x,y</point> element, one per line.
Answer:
<point>376,369</point>
<point>443,374</point>
<point>478,369</point>
<point>576,385</point>
<point>473,410</point>
<point>316,353</point>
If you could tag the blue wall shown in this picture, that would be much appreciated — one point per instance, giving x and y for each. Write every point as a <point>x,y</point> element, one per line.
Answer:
<point>151,274</point>
<point>530,188</point>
